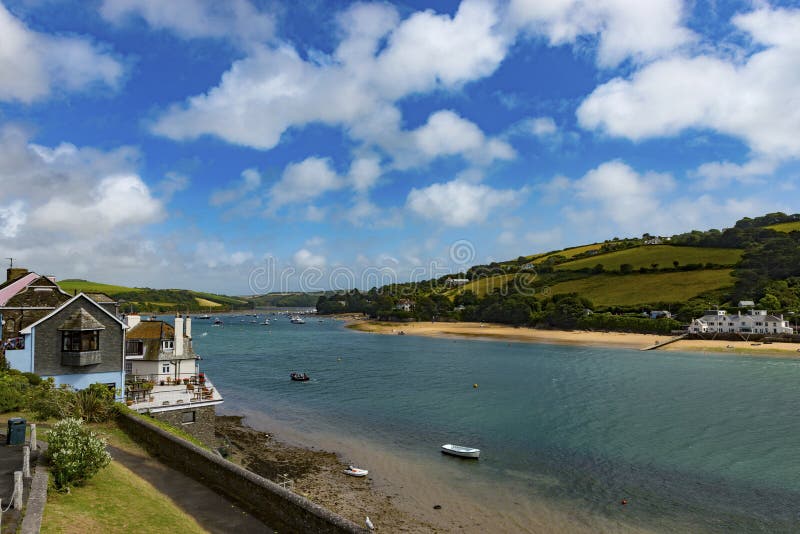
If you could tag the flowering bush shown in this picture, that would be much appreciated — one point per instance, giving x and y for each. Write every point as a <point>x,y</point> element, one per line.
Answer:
<point>76,454</point>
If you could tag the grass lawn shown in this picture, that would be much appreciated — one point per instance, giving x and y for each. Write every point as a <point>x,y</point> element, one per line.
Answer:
<point>115,500</point>
<point>786,227</point>
<point>663,255</point>
<point>483,286</point>
<point>608,290</point>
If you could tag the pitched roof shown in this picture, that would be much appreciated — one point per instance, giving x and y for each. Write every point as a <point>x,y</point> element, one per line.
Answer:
<point>81,320</point>
<point>28,329</point>
<point>15,287</point>
<point>151,330</point>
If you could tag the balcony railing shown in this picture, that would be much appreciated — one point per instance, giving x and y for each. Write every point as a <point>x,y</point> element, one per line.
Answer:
<point>141,398</point>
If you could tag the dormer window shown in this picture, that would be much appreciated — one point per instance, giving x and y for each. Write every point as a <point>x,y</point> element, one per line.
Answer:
<point>168,345</point>
<point>80,340</point>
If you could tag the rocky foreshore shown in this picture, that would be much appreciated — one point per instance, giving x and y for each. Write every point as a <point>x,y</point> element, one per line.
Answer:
<point>316,475</point>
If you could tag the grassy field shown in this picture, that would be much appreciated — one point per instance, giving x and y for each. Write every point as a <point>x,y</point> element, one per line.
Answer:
<point>71,286</point>
<point>662,255</point>
<point>207,303</point>
<point>567,252</point>
<point>115,500</point>
<point>483,286</point>
<point>608,289</point>
<point>786,227</point>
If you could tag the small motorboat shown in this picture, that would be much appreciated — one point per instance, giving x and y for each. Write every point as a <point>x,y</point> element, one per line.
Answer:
<point>299,377</point>
<point>297,320</point>
<point>266,322</point>
<point>463,452</point>
<point>217,322</point>
<point>355,471</point>
<point>204,316</point>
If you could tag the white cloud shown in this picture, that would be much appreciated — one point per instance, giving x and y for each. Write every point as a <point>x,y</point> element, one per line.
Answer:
<point>33,64</point>
<point>715,174</point>
<point>237,20</point>
<point>615,199</point>
<point>72,191</point>
<point>364,173</point>
<point>172,183</point>
<point>305,259</point>
<point>624,28</point>
<point>214,254</point>
<point>115,201</point>
<point>304,181</point>
<point>274,89</point>
<point>459,203</point>
<point>446,133</point>
<point>754,100</point>
<point>621,194</point>
<point>12,217</point>
<point>250,182</point>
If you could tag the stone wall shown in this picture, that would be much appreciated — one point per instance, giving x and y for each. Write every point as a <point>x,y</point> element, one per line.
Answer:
<point>47,349</point>
<point>202,427</point>
<point>275,506</point>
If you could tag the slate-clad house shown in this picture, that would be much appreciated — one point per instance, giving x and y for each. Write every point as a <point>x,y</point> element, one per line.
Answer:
<point>25,298</point>
<point>78,343</point>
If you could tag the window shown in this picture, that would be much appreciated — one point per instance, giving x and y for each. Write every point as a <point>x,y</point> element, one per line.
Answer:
<point>134,348</point>
<point>128,368</point>
<point>187,417</point>
<point>167,345</point>
<point>80,340</point>
<point>165,368</point>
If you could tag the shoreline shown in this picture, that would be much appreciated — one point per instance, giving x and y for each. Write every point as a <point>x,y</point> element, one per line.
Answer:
<point>314,473</point>
<point>497,332</point>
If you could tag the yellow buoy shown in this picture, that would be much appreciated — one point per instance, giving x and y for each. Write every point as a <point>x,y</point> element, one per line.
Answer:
<point>475,386</point>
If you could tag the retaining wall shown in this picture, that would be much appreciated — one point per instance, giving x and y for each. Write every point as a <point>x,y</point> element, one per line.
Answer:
<point>276,506</point>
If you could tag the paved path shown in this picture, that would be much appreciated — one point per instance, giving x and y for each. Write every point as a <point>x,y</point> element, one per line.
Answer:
<point>212,511</point>
<point>10,461</point>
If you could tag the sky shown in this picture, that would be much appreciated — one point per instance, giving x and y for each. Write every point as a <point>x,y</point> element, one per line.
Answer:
<point>251,146</point>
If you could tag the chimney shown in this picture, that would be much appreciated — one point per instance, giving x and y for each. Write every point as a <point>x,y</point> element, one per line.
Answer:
<point>15,272</point>
<point>132,319</point>
<point>178,335</point>
<point>188,326</point>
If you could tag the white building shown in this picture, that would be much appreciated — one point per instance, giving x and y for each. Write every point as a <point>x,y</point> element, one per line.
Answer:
<point>456,282</point>
<point>754,322</point>
<point>163,373</point>
<point>404,305</point>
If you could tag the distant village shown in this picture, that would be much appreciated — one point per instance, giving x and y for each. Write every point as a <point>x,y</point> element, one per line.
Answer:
<point>82,339</point>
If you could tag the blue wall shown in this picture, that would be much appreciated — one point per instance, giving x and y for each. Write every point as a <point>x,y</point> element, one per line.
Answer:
<point>22,360</point>
<point>84,380</point>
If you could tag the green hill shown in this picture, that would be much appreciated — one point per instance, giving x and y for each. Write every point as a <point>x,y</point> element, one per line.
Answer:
<point>157,300</point>
<point>659,256</point>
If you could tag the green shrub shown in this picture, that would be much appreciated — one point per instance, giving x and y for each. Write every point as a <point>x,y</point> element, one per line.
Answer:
<point>51,402</point>
<point>75,453</point>
<point>94,404</point>
<point>13,389</point>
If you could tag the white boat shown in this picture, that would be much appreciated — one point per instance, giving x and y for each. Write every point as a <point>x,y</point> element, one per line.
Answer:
<point>297,320</point>
<point>266,322</point>
<point>355,471</point>
<point>204,316</point>
<point>463,452</point>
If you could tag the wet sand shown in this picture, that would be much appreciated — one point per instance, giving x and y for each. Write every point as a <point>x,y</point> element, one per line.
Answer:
<point>498,332</point>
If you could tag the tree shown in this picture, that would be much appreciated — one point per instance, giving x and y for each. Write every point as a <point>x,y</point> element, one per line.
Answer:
<point>598,268</point>
<point>626,268</point>
<point>769,302</point>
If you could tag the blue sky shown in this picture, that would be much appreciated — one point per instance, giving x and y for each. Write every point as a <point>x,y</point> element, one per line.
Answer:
<point>249,146</point>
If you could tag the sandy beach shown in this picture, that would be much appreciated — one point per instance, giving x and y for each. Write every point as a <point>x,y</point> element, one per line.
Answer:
<point>499,332</point>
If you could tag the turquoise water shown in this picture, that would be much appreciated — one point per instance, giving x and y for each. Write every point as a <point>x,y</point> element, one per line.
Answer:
<point>705,441</point>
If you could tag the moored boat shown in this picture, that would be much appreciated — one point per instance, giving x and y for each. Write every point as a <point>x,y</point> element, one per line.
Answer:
<point>355,471</point>
<point>297,320</point>
<point>299,377</point>
<point>463,452</point>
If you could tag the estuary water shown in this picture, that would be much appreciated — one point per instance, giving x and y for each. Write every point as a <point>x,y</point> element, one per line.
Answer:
<point>692,442</point>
